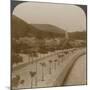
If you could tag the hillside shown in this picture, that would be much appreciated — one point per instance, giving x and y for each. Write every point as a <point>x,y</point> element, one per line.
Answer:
<point>20,29</point>
<point>43,34</point>
<point>78,35</point>
<point>49,28</point>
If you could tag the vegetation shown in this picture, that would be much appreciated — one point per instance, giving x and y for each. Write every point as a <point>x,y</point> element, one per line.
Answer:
<point>55,63</point>
<point>37,39</point>
<point>31,39</point>
<point>16,59</point>
<point>80,35</point>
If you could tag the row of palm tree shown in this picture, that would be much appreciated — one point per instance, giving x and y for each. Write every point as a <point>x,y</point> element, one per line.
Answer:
<point>43,65</point>
<point>33,74</point>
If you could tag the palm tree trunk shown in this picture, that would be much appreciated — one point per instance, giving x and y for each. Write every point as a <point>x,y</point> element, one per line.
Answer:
<point>31,82</point>
<point>50,69</point>
<point>36,82</point>
<point>40,55</point>
<point>42,74</point>
<point>29,58</point>
<point>32,58</point>
<point>62,59</point>
<point>59,61</point>
<point>55,66</point>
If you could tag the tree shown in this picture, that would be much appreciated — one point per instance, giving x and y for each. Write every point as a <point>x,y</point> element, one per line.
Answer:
<point>59,56</point>
<point>31,53</point>
<point>25,45</point>
<point>18,46</point>
<point>50,62</point>
<point>16,59</point>
<point>43,64</point>
<point>41,46</point>
<point>32,74</point>
<point>55,63</point>
<point>36,76</point>
<point>62,58</point>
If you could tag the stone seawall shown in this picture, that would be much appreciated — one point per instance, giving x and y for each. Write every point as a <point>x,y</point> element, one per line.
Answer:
<point>63,75</point>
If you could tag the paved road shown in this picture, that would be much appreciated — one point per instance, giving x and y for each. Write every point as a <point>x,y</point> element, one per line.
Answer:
<point>77,74</point>
<point>50,55</point>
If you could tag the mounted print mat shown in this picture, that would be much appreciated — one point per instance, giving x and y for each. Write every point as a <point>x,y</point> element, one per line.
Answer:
<point>48,45</point>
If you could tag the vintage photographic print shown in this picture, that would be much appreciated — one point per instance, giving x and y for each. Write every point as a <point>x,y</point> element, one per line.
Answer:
<point>48,45</point>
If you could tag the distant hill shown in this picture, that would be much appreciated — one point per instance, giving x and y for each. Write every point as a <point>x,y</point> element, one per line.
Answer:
<point>49,28</point>
<point>78,35</point>
<point>20,29</point>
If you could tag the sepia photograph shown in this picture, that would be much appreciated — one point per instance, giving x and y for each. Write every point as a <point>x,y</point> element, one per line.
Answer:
<point>48,45</point>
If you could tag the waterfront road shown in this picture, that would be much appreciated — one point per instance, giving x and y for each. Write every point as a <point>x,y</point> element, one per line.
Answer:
<point>77,75</point>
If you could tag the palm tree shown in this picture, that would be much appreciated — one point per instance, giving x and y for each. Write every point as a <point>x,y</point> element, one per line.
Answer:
<point>55,62</point>
<point>59,56</point>
<point>50,62</point>
<point>62,58</point>
<point>43,64</point>
<point>32,74</point>
<point>58,59</point>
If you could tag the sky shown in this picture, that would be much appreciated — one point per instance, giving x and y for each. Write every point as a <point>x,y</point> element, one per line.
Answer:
<point>68,17</point>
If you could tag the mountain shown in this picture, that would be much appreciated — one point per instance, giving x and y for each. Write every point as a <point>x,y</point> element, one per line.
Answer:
<point>40,32</point>
<point>49,28</point>
<point>21,29</point>
<point>78,35</point>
